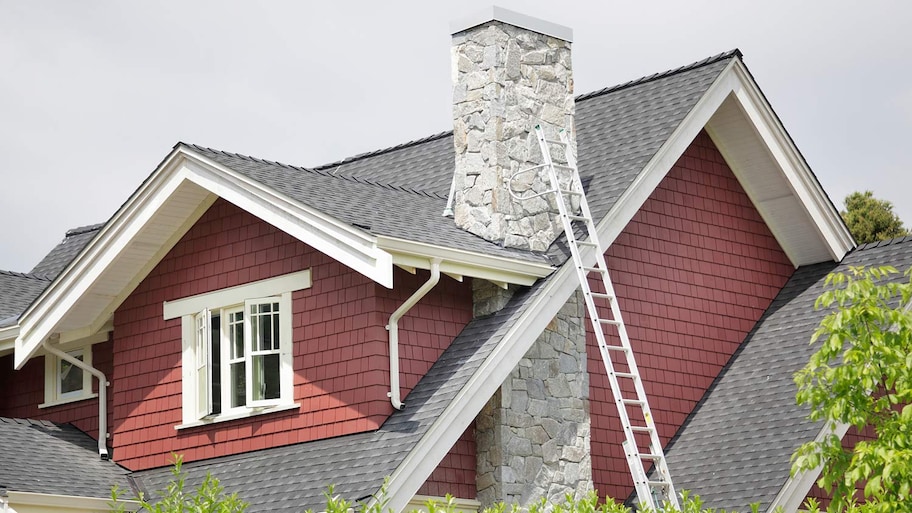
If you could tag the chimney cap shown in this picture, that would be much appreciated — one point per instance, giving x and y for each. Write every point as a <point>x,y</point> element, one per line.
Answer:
<point>496,13</point>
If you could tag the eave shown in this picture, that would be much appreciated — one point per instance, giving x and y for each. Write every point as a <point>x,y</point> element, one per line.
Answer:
<point>457,263</point>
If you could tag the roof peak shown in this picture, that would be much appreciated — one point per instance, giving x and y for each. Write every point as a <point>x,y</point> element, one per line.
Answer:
<point>663,74</point>
<point>84,229</point>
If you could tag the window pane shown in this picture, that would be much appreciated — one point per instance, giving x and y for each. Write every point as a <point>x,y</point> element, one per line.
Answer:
<point>216,371</point>
<point>236,334</point>
<point>70,376</point>
<point>238,384</point>
<point>266,377</point>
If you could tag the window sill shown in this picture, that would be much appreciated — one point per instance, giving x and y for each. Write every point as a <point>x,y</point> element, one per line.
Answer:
<point>68,400</point>
<point>250,412</point>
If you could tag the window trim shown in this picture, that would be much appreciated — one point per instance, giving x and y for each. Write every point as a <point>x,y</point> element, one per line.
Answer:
<point>189,309</point>
<point>52,394</point>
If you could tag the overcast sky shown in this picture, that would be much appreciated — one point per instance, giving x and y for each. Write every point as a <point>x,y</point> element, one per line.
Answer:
<point>94,94</point>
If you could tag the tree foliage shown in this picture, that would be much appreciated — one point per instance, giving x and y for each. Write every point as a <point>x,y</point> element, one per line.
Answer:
<point>871,219</point>
<point>861,375</point>
<point>208,497</point>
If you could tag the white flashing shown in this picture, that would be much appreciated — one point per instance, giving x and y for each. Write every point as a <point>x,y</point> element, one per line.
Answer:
<point>495,13</point>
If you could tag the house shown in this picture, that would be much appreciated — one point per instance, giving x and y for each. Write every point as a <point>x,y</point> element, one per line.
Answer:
<point>287,328</point>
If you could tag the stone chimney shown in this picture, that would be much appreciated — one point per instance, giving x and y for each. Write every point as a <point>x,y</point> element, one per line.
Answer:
<point>510,72</point>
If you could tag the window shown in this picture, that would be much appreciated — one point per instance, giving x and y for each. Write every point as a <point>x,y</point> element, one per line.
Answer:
<point>65,382</point>
<point>237,358</point>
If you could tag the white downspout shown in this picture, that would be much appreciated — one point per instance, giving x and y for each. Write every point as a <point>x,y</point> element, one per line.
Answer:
<point>102,395</point>
<point>393,328</point>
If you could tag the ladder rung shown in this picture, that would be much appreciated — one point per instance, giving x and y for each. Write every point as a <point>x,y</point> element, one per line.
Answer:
<point>649,456</point>
<point>636,402</point>
<point>587,243</point>
<point>658,484</point>
<point>625,375</point>
<point>555,141</point>
<point>602,295</point>
<point>594,270</point>
<point>641,429</point>
<point>577,218</point>
<point>570,193</point>
<point>616,348</point>
<point>610,321</point>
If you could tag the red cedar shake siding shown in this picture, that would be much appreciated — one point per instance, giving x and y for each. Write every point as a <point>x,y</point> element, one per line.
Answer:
<point>340,342</point>
<point>455,475</point>
<point>23,391</point>
<point>693,270</point>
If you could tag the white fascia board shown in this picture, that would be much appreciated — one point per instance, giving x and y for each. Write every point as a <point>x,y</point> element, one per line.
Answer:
<point>661,163</point>
<point>796,170</point>
<point>8,338</point>
<point>341,241</point>
<point>64,502</point>
<point>344,243</point>
<point>796,488</point>
<point>466,263</point>
<point>42,316</point>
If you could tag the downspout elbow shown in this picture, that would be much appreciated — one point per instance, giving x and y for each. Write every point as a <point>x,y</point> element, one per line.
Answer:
<point>102,395</point>
<point>393,327</point>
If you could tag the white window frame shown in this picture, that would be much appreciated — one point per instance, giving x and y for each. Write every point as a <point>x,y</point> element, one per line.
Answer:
<point>53,396</point>
<point>196,313</point>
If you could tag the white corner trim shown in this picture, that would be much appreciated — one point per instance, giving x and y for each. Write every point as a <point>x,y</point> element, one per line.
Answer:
<point>796,488</point>
<point>65,502</point>
<point>238,294</point>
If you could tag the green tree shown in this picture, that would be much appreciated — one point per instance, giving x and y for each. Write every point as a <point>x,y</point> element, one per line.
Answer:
<point>861,375</point>
<point>209,497</point>
<point>871,219</point>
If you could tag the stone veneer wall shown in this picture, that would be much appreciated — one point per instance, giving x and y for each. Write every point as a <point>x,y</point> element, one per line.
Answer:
<point>507,80</point>
<point>532,437</point>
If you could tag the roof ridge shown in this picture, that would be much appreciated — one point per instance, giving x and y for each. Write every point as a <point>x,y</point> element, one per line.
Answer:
<point>885,242</point>
<point>32,276</point>
<point>664,74</point>
<point>322,170</point>
<point>382,151</point>
<point>84,229</point>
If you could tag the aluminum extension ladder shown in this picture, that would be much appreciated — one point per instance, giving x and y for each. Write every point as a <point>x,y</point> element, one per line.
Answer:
<point>642,442</point>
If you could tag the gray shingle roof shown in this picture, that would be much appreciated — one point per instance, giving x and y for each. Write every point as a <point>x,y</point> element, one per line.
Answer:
<point>735,447</point>
<point>293,478</point>
<point>66,251</point>
<point>17,291</point>
<point>619,130</point>
<point>44,457</point>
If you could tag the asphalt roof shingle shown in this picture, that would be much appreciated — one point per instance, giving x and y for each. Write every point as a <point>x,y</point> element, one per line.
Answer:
<point>64,253</point>
<point>45,457</point>
<point>17,291</point>
<point>735,447</point>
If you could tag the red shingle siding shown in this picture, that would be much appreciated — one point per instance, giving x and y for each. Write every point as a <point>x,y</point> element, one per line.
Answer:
<point>340,356</point>
<point>455,475</point>
<point>23,391</point>
<point>693,270</point>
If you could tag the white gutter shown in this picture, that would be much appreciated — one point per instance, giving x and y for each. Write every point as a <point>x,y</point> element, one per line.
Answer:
<point>393,328</point>
<point>102,395</point>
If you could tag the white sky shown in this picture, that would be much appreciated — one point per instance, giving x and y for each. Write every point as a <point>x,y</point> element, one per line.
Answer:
<point>94,94</point>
